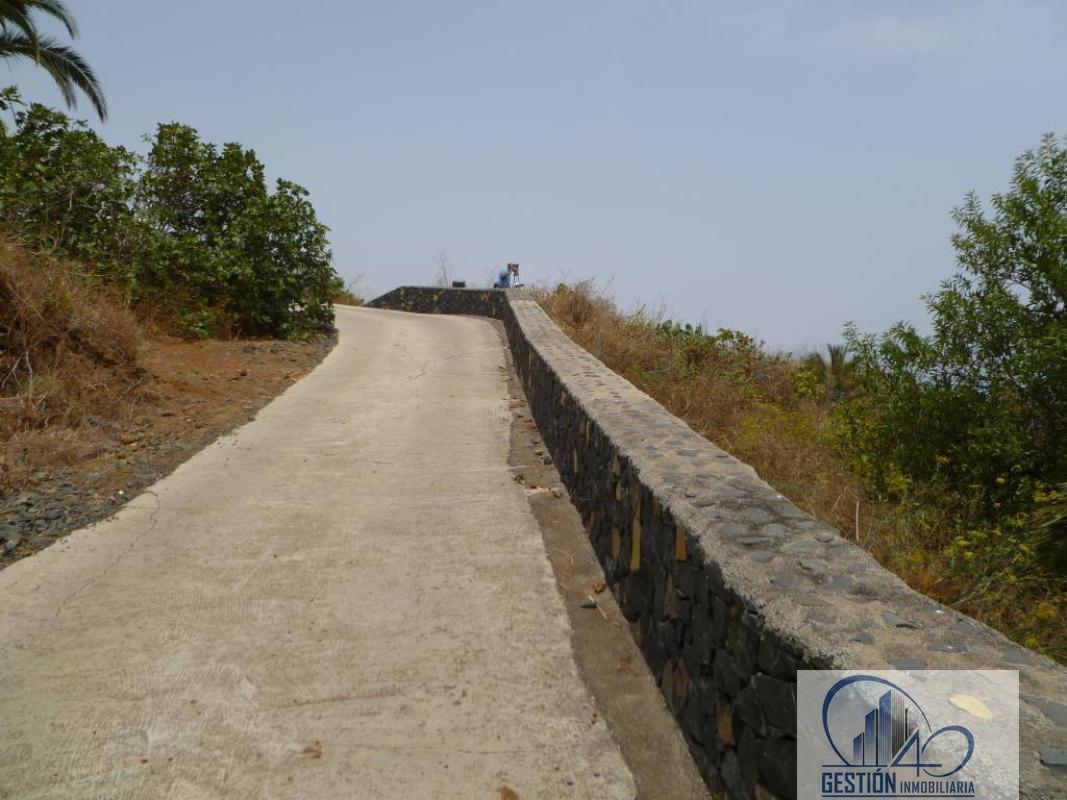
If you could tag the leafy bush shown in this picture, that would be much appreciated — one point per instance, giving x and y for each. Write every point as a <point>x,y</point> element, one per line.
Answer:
<point>977,410</point>
<point>63,188</point>
<point>190,231</point>
<point>226,243</point>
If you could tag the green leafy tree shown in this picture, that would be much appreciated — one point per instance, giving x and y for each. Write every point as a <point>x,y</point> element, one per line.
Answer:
<point>978,408</point>
<point>190,232</point>
<point>225,242</point>
<point>189,196</point>
<point>63,187</point>
<point>191,188</point>
<point>21,39</point>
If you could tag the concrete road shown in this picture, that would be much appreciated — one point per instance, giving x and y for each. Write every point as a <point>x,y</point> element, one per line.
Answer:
<point>349,598</point>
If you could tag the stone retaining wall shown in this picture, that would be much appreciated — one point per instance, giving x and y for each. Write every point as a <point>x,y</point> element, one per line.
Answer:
<point>729,587</point>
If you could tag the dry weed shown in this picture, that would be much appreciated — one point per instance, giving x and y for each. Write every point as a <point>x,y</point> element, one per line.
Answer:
<point>751,403</point>
<point>68,363</point>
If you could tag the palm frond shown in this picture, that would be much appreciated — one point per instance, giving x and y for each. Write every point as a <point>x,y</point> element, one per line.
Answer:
<point>25,8</point>
<point>68,69</point>
<point>14,15</point>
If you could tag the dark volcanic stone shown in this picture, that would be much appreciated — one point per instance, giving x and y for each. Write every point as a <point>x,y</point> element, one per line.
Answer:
<point>746,757</point>
<point>1017,656</point>
<point>907,662</point>
<point>775,660</point>
<point>1057,712</point>
<point>757,515</point>
<point>778,701</point>
<point>744,643</point>
<point>754,541</point>
<point>1054,757</point>
<point>774,530</point>
<point>840,583</point>
<point>719,622</point>
<point>898,621</point>
<point>725,671</point>
<point>777,762</point>
<point>733,530</point>
<point>732,781</point>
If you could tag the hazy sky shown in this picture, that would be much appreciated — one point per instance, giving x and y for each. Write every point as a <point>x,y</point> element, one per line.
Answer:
<point>779,167</point>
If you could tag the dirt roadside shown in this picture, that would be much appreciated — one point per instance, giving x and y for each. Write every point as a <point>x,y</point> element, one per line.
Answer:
<point>196,392</point>
<point>608,659</point>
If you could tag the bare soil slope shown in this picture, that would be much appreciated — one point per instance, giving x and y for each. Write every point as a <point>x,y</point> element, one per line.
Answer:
<point>93,408</point>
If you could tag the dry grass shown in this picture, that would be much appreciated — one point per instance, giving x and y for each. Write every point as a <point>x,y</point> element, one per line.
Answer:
<point>766,410</point>
<point>68,362</point>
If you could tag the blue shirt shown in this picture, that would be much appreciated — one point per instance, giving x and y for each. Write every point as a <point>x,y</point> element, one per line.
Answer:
<point>503,280</point>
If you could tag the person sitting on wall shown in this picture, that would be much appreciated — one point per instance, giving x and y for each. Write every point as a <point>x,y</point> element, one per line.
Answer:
<point>508,277</point>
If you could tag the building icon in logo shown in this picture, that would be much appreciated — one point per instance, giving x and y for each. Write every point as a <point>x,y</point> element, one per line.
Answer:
<point>887,728</point>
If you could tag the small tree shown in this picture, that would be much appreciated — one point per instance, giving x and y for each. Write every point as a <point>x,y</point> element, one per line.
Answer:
<point>65,188</point>
<point>444,269</point>
<point>834,373</point>
<point>226,244</point>
<point>978,408</point>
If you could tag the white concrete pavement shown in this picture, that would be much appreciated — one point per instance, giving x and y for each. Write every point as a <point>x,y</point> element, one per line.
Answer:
<point>348,598</point>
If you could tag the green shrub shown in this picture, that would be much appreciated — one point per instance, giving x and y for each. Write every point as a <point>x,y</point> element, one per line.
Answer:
<point>229,243</point>
<point>977,409</point>
<point>63,188</point>
<point>190,231</point>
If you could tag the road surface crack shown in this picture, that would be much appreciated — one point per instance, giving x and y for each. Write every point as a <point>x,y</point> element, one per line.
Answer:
<point>151,527</point>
